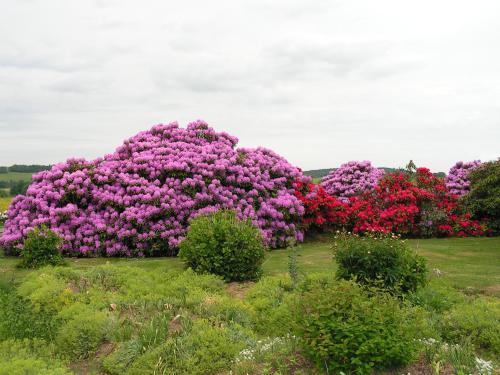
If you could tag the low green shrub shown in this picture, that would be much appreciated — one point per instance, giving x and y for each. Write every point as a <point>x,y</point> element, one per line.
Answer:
<point>436,297</point>
<point>269,300</point>
<point>41,248</point>
<point>226,309</point>
<point>203,349</point>
<point>381,260</point>
<point>221,244</point>
<point>477,320</point>
<point>29,357</point>
<point>80,337</point>
<point>19,319</point>
<point>346,328</point>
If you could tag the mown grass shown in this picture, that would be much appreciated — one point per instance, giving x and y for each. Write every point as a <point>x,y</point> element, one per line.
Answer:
<point>470,264</point>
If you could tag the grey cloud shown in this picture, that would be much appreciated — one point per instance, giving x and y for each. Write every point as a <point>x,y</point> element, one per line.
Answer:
<point>320,82</point>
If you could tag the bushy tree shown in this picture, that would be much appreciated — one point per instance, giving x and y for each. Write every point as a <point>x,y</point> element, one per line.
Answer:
<point>483,200</point>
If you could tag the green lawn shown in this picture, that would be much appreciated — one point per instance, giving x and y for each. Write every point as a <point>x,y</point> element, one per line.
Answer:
<point>471,264</point>
<point>15,176</point>
<point>467,263</point>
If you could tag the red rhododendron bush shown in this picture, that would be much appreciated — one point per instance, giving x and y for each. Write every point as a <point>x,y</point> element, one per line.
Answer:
<point>416,205</point>
<point>140,199</point>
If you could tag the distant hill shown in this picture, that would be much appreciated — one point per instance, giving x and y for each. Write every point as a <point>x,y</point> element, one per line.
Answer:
<point>22,168</point>
<point>319,173</point>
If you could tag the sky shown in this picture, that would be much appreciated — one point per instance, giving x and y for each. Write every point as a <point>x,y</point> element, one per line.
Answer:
<point>320,82</point>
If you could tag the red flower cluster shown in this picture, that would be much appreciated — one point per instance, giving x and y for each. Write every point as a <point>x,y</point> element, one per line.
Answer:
<point>412,205</point>
<point>321,209</point>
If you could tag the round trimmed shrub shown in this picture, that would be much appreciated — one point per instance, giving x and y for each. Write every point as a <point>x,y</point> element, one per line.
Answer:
<point>41,248</point>
<point>343,327</point>
<point>457,180</point>
<point>379,260</point>
<point>221,244</point>
<point>139,200</point>
<point>351,178</point>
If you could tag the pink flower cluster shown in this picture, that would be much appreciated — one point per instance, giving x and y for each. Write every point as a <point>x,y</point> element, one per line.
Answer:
<point>139,200</point>
<point>351,178</point>
<point>457,180</point>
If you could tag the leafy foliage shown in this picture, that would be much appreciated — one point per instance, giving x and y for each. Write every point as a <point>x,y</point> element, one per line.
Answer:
<point>379,260</point>
<point>221,244</point>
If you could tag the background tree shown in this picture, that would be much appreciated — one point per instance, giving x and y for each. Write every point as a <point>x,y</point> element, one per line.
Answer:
<point>483,200</point>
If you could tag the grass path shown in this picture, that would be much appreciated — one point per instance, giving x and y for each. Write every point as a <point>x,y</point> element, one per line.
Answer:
<point>471,264</point>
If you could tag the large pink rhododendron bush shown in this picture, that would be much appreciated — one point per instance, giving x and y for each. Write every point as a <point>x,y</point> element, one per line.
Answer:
<point>140,199</point>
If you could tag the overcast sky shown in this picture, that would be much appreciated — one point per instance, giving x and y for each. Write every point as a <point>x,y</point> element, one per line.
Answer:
<point>320,82</point>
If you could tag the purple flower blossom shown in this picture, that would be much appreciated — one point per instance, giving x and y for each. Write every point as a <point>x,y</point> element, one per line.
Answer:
<point>351,178</point>
<point>457,180</point>
<point>140,199</point>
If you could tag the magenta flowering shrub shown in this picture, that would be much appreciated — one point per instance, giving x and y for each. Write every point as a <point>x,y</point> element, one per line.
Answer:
<point>457,180</point>
<point>140,199</point>
<point>351,178</point>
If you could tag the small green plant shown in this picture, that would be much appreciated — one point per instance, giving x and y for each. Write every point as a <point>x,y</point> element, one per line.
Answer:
<point>276,355</point>
<point>346,328</point>
<point>460,357</point>
<point>41,248</point>
<point>381,260</point>
<point>293,268</point>
<point>221,244</point>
